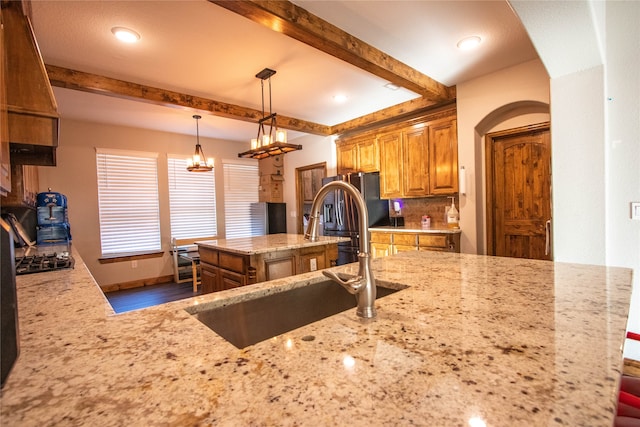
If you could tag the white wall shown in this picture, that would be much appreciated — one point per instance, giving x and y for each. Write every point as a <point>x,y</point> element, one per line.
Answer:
<point>315,149</point>
<point>75,176</point>
<point>595,133</point>
<point>509,98</point>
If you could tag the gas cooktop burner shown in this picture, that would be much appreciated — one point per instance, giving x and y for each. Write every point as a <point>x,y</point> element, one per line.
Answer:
<point>43,262</point>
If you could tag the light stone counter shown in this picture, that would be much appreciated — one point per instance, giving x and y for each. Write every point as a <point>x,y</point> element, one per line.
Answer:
<point>511,342</point>
<point>268,243</point>
<point>413,228</point>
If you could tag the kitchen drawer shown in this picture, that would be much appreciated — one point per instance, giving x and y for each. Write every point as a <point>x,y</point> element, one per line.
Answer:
<point>377,237</point>
<point>405,239</point>
<point>404,248</point>
<point>208,255</point>
<point>433,240</point>
<point>232,262</point>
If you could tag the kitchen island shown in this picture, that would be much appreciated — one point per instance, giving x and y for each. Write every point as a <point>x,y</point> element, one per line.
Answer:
<point>472,339</point>
<point>230,263</point>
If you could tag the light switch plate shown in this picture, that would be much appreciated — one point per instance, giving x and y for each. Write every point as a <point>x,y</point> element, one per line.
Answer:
<point>635,210</point>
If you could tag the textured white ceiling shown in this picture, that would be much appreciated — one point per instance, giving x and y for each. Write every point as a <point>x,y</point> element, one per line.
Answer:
<point>198,48</point>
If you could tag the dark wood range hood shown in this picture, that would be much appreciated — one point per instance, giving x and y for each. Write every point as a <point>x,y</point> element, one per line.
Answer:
<point>33,119</point>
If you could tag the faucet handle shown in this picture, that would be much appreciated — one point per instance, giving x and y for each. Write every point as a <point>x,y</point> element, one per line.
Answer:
<point>353,284</point>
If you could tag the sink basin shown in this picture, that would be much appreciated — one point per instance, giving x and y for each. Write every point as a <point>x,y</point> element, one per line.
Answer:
<point>248,322</point>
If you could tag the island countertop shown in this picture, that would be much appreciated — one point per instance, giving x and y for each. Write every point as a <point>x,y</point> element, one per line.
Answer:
<point>503,341</point>
<point>268,243</point>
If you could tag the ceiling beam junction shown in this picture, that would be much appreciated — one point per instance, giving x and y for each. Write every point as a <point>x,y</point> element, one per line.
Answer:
<point>289,19</point>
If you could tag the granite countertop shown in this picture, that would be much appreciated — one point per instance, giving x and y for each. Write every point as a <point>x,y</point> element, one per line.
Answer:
<point>268,243</point>
<point>503,340</point>
<point>414,228</point>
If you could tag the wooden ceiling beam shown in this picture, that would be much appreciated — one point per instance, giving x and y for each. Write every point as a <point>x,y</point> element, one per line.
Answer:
<point>294,21</point>
<point>393,113</point>
<point>93,83</point>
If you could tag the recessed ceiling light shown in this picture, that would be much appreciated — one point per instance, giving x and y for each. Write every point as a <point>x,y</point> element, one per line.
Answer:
<point>468,43</point>
<point>340,98</point>
<point>125,35</point>
<point>392,86</point>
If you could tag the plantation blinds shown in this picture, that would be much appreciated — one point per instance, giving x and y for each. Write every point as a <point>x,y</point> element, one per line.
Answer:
<point>192,200</point>
<point>128,201</point>
<point>241,183</point>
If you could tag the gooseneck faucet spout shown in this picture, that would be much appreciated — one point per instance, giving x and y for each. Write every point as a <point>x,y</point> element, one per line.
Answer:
<point>363,286</point>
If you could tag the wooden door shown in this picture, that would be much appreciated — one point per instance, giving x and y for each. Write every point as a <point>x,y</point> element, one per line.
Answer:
<point>519,192</point>
<point>443,157</point>
<point>308,182</point>
<point>415,148</point>
<point>390,145</point>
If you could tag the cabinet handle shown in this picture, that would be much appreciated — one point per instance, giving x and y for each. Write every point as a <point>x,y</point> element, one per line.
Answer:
<point>547,232</point>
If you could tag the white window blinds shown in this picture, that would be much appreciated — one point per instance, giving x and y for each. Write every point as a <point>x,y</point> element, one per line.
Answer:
<point>192,200</point>
<point>128,202</point>
<point>241,183</point>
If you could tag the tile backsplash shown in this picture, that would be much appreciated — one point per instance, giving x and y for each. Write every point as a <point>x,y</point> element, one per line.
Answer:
<point>413,209</point>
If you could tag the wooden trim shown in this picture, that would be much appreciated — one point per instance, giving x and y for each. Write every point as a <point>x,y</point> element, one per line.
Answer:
<point>137,283</point>
<point>287,18</point>
<point>129,257</point>
<point>93,83</point>
<point>405,114</point>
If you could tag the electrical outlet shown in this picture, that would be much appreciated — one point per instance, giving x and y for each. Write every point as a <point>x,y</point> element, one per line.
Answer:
<point>134,264</point>
<point>635,210</point>
<point>313,264</point>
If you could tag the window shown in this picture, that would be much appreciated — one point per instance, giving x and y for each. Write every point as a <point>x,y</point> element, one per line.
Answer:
<point>192,200</point>
<point>128,202</point>
<point>241,183</point>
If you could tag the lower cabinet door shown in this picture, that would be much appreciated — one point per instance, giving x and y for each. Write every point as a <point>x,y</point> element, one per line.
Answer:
<point>209,278</point>
<point>230,279</point>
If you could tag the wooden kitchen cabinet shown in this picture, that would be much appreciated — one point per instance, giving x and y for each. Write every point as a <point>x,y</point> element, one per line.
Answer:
<point>389,243</point>
<point>443,242</point>
<point>443,157</point>
<point>404,163</point>
<point>416,157</point>
<point>347,158</point>
<point>415,163</point>
<point>391,169</point>
<point>223,269</point>
<point>380,244</point>
<point>24,191</point>
<point>358,154</point>
<point>403,242</point>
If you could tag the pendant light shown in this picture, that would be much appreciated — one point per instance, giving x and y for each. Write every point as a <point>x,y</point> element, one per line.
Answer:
<point>272,143</point>
<point>197,163</point>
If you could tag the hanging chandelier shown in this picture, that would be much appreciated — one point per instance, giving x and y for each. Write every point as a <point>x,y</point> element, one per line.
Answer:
<point>272,143</point>
<point>197,163</point>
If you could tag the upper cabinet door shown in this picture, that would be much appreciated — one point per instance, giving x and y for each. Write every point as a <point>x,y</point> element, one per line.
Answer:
<point>416,162</point>
<point>368,157</point>
<point>443,157</point>
<point>391,181</point>
<point>347,158</point>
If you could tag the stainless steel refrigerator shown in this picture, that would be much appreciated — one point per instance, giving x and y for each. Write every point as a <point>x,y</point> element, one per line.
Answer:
<point>341,216</point>
<point>268,218</point>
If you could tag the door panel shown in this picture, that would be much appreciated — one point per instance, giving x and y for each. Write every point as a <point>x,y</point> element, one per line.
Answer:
<point>521,194</point>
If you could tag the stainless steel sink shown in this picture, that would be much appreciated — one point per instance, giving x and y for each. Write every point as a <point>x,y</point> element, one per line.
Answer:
<point>248,322</point>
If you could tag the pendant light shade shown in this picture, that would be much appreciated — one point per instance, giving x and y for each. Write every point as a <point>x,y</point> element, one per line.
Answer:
<point>274,142</point>
<point>197,163</point>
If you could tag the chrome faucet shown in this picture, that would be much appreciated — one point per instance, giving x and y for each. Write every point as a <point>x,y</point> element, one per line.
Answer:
<point>363,286</point>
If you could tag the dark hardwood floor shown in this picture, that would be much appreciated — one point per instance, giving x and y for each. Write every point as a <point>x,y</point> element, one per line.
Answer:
<point>147,296</point>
